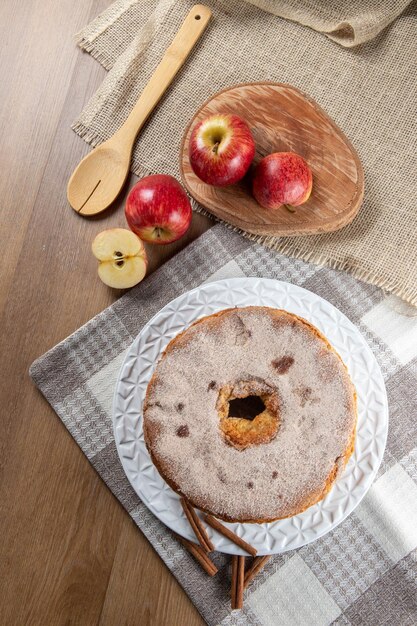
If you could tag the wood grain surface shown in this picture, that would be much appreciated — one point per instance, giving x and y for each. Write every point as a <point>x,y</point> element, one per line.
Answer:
<point>69,553</point>
<point>282,119</point>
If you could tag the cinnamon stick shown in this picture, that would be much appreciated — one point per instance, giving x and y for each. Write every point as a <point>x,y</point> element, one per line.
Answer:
<point>258,564</point>
<point>197,526</point>
<point>226,532</point>
<point>240,582</point>
<point>234,581</point>
<point>200,555</point>
<point>238,575</point>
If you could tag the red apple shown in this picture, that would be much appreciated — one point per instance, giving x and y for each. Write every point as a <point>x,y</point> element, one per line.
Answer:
<point>282,178</point>
<point>221,149</point>
<point>158,209</point>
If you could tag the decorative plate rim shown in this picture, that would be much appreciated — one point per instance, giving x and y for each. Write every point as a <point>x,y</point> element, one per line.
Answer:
<point>349,489</point>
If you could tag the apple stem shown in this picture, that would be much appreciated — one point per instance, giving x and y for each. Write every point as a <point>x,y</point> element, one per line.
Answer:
<point>216,147</point>
<point>289,208</point>
<point>158,232</point>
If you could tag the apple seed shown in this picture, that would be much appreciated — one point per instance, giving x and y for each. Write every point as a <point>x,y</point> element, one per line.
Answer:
<point>122,257</point>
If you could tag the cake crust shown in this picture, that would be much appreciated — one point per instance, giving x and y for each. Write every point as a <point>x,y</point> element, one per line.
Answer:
<point>233,468</point>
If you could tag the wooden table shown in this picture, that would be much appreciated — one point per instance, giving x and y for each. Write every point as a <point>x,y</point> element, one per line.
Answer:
<point>69,553</point>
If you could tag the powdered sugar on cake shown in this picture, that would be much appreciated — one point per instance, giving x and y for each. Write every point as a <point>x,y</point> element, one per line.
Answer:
<point>317,414</point>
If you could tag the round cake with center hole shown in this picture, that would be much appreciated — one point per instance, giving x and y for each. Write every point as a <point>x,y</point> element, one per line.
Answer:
<point>250,414</point>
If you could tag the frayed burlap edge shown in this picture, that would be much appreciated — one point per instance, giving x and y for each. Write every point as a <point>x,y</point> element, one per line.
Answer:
<point>88,46</point>
<point>86,38</point>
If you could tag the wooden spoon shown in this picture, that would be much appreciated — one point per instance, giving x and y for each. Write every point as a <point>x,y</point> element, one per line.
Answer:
<point>99,177</point>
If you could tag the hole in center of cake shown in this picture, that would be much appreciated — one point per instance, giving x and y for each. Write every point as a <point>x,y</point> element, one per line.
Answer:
<point>248,413</point>
<point>246,408</point>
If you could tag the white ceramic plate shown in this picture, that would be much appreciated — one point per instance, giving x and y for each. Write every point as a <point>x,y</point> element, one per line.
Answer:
<point>141,361</point>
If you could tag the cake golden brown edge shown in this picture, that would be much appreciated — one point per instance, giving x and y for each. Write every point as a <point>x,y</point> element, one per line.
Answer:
<point>314,497</point>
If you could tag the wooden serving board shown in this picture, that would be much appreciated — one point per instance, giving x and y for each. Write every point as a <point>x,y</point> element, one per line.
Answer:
<point>282,119</point>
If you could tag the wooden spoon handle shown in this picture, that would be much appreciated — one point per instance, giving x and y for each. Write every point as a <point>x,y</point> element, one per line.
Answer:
<point>172,61</point>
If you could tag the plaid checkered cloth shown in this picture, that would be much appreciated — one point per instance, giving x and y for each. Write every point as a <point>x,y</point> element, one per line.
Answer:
<point>364,572</point>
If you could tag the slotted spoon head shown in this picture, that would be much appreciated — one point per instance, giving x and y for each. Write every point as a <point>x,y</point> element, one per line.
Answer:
<point>98,179</point>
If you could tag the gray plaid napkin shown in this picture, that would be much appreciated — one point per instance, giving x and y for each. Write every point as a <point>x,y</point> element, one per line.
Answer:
<point>365,571</point>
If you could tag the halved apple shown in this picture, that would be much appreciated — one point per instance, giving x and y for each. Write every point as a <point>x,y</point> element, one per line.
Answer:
<point>122,258</point>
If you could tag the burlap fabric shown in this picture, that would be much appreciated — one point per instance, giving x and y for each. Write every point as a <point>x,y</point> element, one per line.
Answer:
<point>348,23</point>
<point>363,573</point>
<point>368,90</point>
